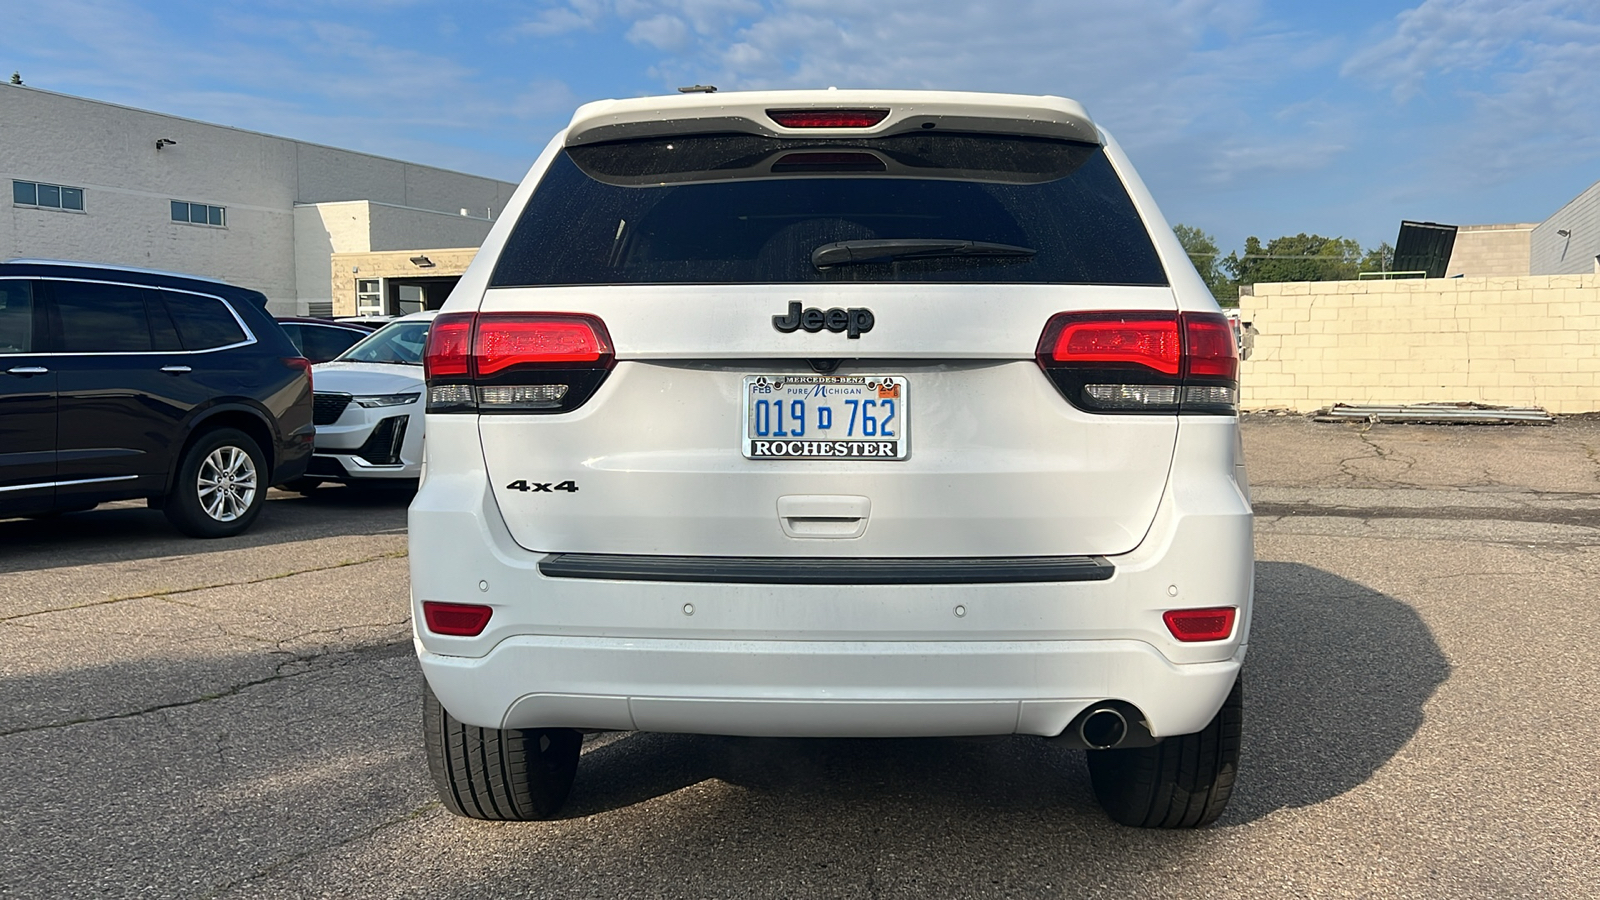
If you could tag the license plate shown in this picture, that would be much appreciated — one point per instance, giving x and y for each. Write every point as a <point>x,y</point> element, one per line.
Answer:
<point>825,417</point>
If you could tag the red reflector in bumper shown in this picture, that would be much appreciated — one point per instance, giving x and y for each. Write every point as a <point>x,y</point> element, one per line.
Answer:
<point>1190,625</point>
<point>456,619</point>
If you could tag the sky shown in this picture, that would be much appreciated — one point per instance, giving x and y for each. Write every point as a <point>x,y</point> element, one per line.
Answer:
<point>1244,118</point>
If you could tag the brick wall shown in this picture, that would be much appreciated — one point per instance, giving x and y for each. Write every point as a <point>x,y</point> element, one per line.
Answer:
<point>1531,340</point>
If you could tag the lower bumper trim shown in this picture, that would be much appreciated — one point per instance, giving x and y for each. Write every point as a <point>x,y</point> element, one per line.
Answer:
<point>826,570</point>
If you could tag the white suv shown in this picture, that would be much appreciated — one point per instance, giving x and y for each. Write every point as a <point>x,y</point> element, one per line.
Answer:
<point>833,414</point>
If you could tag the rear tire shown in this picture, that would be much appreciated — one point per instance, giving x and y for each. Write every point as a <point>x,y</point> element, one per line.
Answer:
<point>221,485</point>
<point>1183,782</point>
<point>501,775</point>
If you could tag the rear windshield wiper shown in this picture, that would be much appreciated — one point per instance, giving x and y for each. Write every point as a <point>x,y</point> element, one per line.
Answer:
<point>845,253</point>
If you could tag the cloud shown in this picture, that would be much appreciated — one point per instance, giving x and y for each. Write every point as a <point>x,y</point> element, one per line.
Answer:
<point>1522,73</point>
<point>1473,36</point>
<point>664,32</point>
<point>559,20</point>
<point>295,75</point>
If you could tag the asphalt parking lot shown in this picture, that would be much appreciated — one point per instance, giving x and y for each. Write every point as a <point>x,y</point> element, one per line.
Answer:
<point>239,718</point>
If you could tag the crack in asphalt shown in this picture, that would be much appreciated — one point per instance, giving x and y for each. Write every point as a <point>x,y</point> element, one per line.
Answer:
<point>166,594</point>
<point>346,656</point>
<point>1579,517</point>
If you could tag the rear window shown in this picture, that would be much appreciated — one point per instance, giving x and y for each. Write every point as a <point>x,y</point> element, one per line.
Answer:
<point>321,342</point>
<point>721,209</point>
<point>204,323</point>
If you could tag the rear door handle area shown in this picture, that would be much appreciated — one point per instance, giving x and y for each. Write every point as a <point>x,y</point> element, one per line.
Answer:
<point>824,515</point>
<point>176,370</point>
<point>28,370</point>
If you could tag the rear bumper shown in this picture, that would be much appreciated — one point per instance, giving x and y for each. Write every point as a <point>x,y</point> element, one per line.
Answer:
<point>829,659</point>
<point>823,688</point>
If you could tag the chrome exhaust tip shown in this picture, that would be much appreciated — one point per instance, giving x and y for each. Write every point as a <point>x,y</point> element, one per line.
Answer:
<point>1103,728</point>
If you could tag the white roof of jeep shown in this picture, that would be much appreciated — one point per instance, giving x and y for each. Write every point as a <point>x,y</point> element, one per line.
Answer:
<point>746,112</point>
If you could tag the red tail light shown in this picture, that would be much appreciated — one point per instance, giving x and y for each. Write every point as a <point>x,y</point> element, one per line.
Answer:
<point>304,365</point>
<point>503,342</point>
<point>1143,362</point>
<point>1145,342</point>
<point>456,619</point>
<point>449,344</point>
<point>1209,337</point>
<point>827,118</point>
<point>1192,625</point>
<point>515,362</point>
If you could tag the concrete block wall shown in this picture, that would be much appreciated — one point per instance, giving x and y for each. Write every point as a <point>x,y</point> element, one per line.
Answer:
<point>1491,250</point>
<point>1516,341</point>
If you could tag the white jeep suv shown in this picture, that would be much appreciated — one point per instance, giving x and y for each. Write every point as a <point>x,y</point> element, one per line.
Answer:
<point>833,414</point>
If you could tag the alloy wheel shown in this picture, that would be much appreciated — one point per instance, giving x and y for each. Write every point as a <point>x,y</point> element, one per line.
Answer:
<point>227,483</point>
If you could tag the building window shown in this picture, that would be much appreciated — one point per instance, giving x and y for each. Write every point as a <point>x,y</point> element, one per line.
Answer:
<point>47,196</point>
<point>199,213</point>
<point>369,297</point>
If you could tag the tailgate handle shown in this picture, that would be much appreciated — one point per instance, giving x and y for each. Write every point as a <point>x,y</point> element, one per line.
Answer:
<point>824,515</point>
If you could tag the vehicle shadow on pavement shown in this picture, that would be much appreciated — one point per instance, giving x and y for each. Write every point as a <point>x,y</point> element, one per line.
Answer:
<point>1336,680</point>
<point>1338,676</point>
<point>129,530</point>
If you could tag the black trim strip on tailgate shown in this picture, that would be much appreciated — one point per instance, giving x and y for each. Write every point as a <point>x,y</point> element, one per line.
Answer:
<point>827,569</point>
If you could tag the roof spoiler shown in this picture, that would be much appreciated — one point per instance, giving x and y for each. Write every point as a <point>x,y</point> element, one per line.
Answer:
<point>904,111</point>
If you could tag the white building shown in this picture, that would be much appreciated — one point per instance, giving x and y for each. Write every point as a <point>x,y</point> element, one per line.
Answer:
<point>109,184</point>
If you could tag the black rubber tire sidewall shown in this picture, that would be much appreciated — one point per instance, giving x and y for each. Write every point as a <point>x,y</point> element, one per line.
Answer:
<point>182,506</point>
<point>503,775</point>
<point>1183,782</point>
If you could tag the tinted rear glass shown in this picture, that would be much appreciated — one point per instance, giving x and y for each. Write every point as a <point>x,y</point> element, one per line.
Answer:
<point>101,318</point>
<point>16,316</point>
<point>204,323</point>
<point>321,342</point>
<point>749,209</point>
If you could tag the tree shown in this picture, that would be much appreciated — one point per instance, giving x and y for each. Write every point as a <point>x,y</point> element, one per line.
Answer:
<point>16,77</point>
<point>1202,250</point>
<point>1303,257</point>
<point>1379,259</point>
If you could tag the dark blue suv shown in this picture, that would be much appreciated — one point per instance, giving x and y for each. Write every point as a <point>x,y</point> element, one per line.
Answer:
<point>124,383</point>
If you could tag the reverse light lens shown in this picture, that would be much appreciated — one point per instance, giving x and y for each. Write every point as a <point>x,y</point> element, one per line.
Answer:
<point>1133,396</point>
<point>375,401</point>
<point>1209,396</point>
<point>522,396</point>
<point>1153,343</point>
<point>1194,625</point>
<point>456,619</point>
<point>827,118</point>
<point>447,397</point>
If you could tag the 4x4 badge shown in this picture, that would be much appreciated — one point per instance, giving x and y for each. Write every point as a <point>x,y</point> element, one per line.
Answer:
<point>857,320</point>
